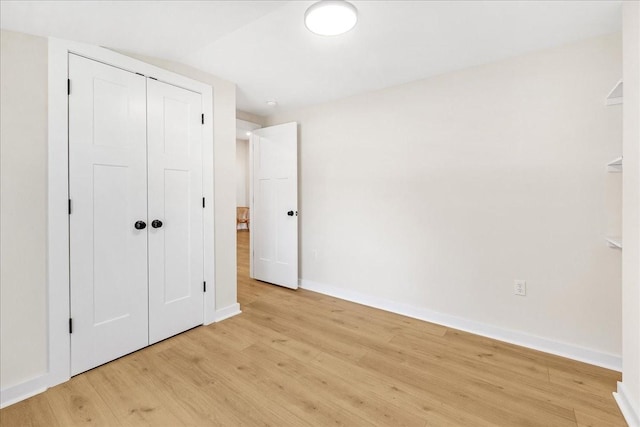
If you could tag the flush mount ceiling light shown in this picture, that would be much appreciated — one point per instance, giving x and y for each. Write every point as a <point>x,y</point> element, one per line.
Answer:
<point>272,103</point>
<point>331,17</point>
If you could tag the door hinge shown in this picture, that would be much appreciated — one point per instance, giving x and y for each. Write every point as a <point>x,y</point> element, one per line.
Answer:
<point>68,86</point>
<point>70,325</point>
<point>69,206</point>
<point>204,286</point>
<point>203,118</point>
<point>203,203</point>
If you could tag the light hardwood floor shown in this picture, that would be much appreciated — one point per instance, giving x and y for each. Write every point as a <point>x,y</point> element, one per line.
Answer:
<point>298,358</point>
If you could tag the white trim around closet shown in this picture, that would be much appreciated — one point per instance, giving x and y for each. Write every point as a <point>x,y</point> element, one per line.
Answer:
<point>58,180</point>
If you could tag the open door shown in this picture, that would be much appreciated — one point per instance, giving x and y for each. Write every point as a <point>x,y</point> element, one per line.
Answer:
<point>274,205</point>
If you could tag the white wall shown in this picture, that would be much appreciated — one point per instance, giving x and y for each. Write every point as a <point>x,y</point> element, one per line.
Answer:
<point>437,194</point>
<point>242,172</point>
<point>630,389</point>
<point>23,210</point>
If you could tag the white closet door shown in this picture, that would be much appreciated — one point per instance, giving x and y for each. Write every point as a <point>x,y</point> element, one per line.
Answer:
<point>108,192</point>
<point>174,126</point>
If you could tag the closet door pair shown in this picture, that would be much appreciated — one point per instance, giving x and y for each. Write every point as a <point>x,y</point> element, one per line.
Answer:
<point>135,212</point>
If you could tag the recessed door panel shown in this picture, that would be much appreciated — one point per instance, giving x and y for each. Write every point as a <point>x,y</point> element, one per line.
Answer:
<point>107,188</point>
<point>264,221</point>
<point>286,253</point>
<point>175,200</point>
<point>176,126</point>
<point>176,238</point>
<point>111,108</point>
<point>110,214</point>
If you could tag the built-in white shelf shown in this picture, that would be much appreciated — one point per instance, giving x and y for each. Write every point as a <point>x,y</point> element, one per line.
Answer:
<point>615,96</point>
<point>614,242</point>
<point>615,165</point>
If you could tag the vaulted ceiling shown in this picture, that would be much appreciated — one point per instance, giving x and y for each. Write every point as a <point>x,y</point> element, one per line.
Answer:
<point>264,47</point>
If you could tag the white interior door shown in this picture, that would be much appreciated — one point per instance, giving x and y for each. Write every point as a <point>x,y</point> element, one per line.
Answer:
<point>108,192</point>
<point>274,223</point>
<point>176,298</point>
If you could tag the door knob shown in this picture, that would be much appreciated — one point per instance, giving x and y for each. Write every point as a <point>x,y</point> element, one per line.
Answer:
<point>290,213</point>
<point>140,225</point>
<point>156,223</point>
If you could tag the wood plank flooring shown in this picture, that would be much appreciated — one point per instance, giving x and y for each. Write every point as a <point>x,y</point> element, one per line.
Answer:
<point>298,358</point>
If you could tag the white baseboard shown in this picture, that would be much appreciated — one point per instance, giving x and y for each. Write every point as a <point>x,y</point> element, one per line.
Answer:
<point>570,351</point>
<point>226,312</point>
<point>631,414</point>
<point>24,390</point>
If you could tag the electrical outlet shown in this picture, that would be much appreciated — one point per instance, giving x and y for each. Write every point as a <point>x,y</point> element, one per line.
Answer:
<point>520,287</point>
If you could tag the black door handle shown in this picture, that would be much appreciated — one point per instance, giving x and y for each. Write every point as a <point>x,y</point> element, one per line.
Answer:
<point>290,213</point>
<point>156,223</point>
<point>140,225</point>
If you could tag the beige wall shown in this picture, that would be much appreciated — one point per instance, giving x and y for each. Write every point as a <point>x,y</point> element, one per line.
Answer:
<point>439,193</point>
<point>224,146</point>
<point>631,206</point>
<point>23,210</point>
<point>253,118</point>
<point>242,172</point>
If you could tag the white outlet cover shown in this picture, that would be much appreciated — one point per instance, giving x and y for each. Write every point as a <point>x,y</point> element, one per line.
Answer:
<point>520,287</point>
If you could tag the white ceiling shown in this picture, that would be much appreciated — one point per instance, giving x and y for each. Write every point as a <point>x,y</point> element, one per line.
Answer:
<point>265,49</point>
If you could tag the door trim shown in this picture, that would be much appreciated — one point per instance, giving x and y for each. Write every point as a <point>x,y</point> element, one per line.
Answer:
<point>59,360</point>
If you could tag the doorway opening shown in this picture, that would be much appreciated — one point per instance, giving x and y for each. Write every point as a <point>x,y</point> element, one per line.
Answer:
<point>243,230</point>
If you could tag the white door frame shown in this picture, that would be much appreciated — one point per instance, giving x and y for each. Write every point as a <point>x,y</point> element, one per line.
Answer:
<point>59,366</point>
